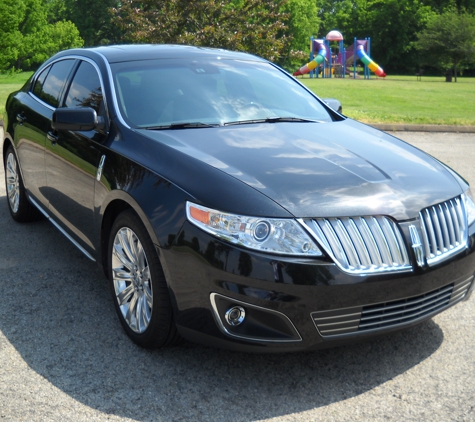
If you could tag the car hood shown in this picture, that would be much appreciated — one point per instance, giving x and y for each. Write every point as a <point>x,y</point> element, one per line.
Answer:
<point>321,169</point>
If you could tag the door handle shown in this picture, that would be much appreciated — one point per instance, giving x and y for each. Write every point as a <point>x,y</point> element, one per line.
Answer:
<point>20,117</point>
<point>52,137</point>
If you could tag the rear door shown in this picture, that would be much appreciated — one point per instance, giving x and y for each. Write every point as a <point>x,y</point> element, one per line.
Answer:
<point>33,112</point>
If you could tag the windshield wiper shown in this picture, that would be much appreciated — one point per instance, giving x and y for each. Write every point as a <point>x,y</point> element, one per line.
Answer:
<point>187,125</point>
<point>271,120</point>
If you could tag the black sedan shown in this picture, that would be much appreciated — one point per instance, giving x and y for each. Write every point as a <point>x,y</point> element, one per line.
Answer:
<point>229,205</point>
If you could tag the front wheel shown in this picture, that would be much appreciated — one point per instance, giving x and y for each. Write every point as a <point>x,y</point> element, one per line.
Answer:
<point>20,207</point>
<point>138,285</point>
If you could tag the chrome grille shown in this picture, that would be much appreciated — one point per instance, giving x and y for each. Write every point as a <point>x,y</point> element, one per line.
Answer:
<point>389,314</point>
<point>444,230</point>
<point>362,245</point>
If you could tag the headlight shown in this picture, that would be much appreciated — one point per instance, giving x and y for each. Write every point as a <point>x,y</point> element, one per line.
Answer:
<point>469,206</point>
<point>274,235</point>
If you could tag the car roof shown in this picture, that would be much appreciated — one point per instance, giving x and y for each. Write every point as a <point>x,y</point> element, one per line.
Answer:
<point>137,52</point>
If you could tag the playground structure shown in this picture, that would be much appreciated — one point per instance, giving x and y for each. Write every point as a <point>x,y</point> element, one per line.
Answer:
<point>336,64</point>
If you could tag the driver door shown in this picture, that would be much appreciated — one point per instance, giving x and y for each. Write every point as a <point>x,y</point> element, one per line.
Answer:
<point>72,159</point>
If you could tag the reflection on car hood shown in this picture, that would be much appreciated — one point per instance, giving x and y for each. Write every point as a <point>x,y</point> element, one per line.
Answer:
<point>322,169</point>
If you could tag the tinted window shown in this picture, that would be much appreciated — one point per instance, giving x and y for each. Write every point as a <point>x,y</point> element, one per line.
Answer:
<point>38,88</point>
<point>85,90</point>
<point>50,90</point>
<point>216,91</point>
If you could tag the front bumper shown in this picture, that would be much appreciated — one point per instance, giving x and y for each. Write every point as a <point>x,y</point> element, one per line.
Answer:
<point>290,302</point>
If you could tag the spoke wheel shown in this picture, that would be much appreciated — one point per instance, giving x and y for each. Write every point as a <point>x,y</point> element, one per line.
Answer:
<point>13,182</point>
<point>131,278</point>
<point>20,207</point>
<point>138,285</point>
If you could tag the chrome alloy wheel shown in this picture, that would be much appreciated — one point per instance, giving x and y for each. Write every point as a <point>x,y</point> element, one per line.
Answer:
<point>131,278</point>
<point>13,183</point>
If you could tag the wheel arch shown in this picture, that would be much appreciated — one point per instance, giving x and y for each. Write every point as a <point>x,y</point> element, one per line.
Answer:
<point>7,142</point>
<point>119,202</point>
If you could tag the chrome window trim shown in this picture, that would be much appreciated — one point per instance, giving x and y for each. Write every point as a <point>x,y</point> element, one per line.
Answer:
<point>113,90</point>
<point>238,302</point>
<point>35,78</point>
<point>73,57</point>
<point>41,101</point>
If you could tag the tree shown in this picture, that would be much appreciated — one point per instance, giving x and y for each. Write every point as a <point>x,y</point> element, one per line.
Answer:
<point>256,26</point>
<point>26,37</point>
<point>338,14</point>
<point>391,25</point>
<point>55,9</point>
<point>303,22</point>
<point>448,40</point>
<point>93,19</point>
<point>440,6</point>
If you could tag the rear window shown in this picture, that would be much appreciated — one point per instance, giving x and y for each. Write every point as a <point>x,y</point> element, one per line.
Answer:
<point>50,83</point>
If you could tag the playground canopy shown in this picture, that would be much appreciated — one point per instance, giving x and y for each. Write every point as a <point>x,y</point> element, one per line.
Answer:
<point>334,36</point>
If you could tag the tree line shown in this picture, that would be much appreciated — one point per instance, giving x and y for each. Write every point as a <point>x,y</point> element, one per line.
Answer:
<point>406,35</point>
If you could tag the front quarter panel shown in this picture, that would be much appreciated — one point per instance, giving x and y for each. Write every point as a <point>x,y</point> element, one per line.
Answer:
<point>159,203</point>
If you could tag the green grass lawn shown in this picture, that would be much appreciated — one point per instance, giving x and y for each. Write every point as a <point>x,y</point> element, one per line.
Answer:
<point>394,99</point>
<point>10,83</point>
<point>401,99</point>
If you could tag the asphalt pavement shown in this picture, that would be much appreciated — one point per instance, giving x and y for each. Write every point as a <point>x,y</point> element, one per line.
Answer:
<point>64,356</point>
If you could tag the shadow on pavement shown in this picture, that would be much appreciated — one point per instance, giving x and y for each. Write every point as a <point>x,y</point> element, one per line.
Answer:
<point>57,313</point>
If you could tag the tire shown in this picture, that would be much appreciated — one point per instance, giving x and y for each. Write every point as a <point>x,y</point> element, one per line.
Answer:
<point>138,286</point>
<point>21,209</point>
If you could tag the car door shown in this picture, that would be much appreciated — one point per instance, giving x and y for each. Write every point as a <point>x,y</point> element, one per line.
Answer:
<point>72,160</point>
<point>33,112</point>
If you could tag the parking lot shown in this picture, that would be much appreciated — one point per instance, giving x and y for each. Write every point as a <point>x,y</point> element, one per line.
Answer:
<point>64,356</point>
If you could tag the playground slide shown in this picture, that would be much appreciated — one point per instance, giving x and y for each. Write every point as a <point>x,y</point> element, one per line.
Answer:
<point>322,53</point>
<point>369,62</point>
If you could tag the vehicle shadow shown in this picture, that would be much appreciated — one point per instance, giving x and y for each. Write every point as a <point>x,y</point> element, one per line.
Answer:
<point>57,313</point>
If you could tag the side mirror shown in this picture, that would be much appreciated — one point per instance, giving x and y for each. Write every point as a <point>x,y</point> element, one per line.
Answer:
<point>334,104</point>
<point>76,118</point>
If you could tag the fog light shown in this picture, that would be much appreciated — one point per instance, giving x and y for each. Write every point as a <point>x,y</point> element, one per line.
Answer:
<point>235,315</point>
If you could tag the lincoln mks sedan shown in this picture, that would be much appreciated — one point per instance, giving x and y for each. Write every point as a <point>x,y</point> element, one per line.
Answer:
<point>229,205</point>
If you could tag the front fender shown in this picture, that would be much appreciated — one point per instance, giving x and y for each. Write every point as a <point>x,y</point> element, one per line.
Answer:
<point>159,203</point>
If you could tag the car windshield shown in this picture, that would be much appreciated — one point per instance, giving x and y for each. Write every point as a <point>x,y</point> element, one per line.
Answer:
<point>171,93</point>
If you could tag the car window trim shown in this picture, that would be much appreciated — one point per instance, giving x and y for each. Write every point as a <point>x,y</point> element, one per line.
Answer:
<point>38,73</point>
<point>32,86</point>
<point>67,82</point>
<point>70,77</point>
<point>113,91</point>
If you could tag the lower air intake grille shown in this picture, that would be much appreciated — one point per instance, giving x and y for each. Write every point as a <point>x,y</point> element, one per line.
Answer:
<point>390,314</point>
<point>402,311</point>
